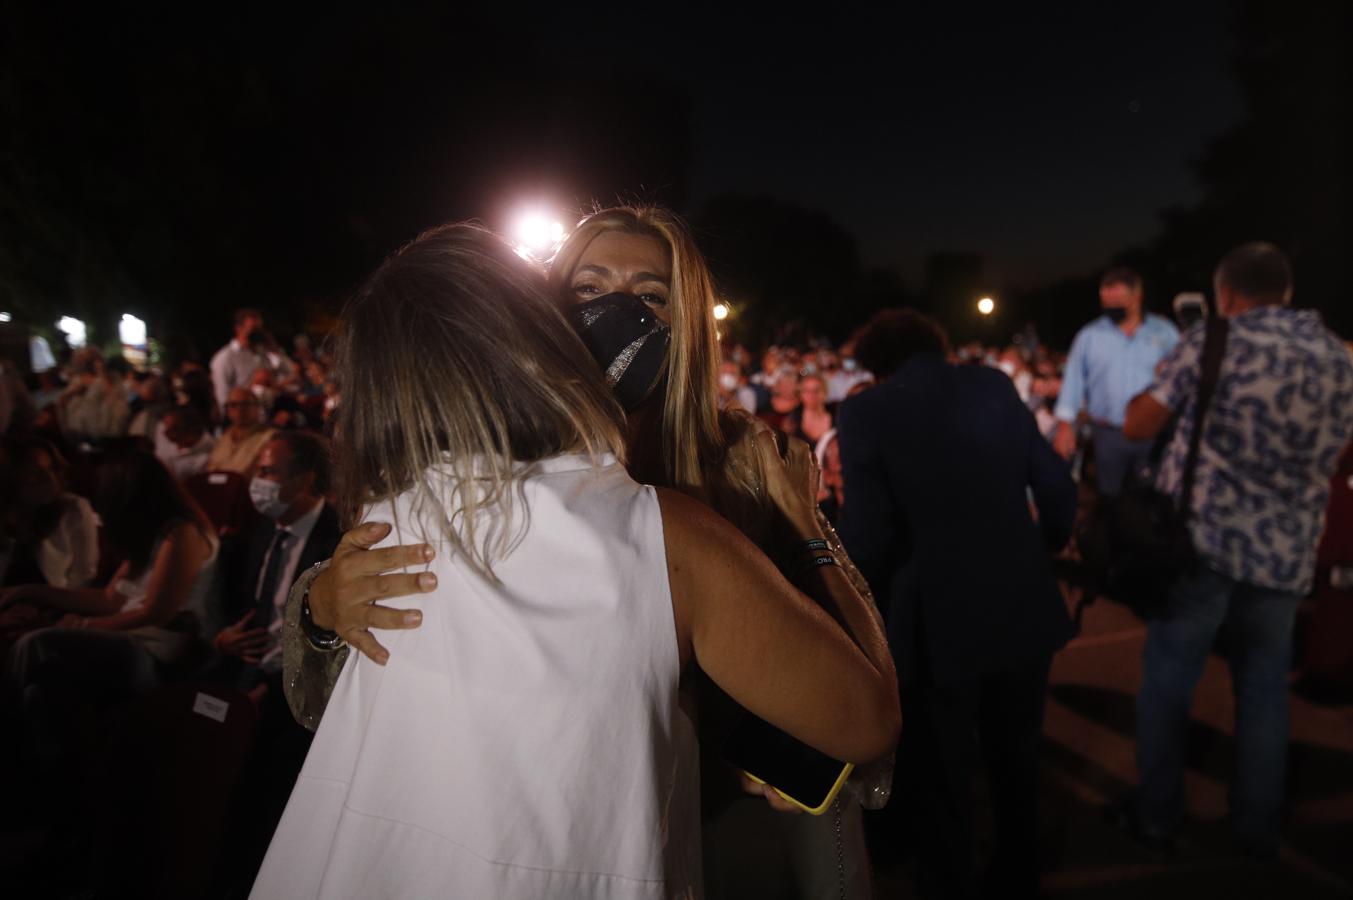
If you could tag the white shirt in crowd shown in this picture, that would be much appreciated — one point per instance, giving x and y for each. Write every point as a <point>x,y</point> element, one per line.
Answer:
<point>841,381</point>
<point>234,366</point>
<point>183,462</point>
<point>95,410</point>
<point>69,556</point>
<point>299,532</point>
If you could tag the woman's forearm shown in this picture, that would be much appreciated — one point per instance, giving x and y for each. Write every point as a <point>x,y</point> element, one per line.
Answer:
<point>832,588</point>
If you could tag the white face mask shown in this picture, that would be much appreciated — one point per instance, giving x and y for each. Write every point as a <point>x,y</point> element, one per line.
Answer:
<point>728,381</point>
<point>267,497</point>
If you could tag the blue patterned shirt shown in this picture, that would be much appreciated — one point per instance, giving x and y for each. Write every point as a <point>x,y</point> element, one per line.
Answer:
<point>1106,368</point>
<point>1279,420</point>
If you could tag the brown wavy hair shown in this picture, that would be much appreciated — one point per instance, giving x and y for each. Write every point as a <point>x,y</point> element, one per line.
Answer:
<point>457,371</point>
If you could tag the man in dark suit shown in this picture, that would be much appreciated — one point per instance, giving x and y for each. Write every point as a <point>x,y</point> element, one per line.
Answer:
<point>940,462</point>
<point>298,529</point>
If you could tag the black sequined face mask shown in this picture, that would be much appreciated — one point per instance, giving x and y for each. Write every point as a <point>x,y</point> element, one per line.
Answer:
<point>629,343</point>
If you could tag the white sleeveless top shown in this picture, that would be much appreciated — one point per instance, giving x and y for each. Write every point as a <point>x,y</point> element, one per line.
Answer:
<point>525,741</point>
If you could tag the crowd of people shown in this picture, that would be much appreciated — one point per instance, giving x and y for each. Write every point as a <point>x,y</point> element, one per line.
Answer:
<point>181,525</point>
<point>153,520</point>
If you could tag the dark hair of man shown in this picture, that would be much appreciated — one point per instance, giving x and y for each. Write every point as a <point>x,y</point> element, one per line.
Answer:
<point>25,446</point>
<point>1129,278</point>
<point>21,449</point>
<point>138,501</point>
<point>309,453</point>
<point>893,336</point>
<point>1258,271</point>
<point>189,418</point>
<point>198,392</point>
<point>246,312</point>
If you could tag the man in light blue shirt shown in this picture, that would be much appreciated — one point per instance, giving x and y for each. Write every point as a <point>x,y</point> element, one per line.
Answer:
<point>1112,360</point>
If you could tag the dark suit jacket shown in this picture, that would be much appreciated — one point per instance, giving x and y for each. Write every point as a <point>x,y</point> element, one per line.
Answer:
<point>239,597</point>
<point>937,463</point>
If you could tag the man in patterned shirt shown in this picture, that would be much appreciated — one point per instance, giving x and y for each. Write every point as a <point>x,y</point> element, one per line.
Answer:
<point>1279,420</point>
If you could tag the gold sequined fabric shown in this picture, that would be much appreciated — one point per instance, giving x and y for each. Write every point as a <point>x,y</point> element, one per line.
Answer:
<point>308,673</point>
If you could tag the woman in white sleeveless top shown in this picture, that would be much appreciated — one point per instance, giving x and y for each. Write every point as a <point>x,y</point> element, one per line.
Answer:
<point>120,640</point>
<point>527,741</point>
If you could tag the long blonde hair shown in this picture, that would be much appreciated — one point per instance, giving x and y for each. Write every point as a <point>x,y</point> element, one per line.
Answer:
<point>458,371</point>
<point>695,436</point>
<point>692,440</point>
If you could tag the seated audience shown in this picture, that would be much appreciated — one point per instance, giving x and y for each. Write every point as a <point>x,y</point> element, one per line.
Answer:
<point>784,398</point>
<point>153,401</point>
<point>243,441</point>
<point>831,490</point>
<point>93,406</point>
<point>52,534</point>
<point>813,417</point>
<point>300,530</point>
<point>120,640</point>
<point>183,444</point>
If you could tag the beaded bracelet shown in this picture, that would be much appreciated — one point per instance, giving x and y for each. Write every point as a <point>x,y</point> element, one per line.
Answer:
<point>815,563</point>
<point>795,557</point>
<point>319,638</point>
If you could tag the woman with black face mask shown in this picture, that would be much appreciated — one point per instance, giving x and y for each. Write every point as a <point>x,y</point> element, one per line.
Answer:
<point>527,741</point>
<point>637,290</point>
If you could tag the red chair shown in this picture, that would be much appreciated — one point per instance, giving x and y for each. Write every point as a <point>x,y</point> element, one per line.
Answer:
<point>1328,657</point>
<point>224,497</point>
<point>170,770</point>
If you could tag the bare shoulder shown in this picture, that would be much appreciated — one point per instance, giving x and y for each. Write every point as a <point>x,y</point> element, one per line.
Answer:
<point>686,518</point>
<point>186,537</point>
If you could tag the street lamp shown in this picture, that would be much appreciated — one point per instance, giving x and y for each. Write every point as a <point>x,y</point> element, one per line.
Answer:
<point>720,311</point>
<point>132,331</point>
<point>74,330</point>
<point>986,306</point>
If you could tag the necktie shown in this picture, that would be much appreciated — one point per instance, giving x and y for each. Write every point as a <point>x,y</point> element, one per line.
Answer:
<point>265,600</point>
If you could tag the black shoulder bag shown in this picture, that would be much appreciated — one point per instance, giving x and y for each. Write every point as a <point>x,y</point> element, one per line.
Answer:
<point>1149,539</point>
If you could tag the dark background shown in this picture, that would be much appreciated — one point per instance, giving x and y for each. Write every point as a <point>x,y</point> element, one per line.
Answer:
<point>175,166</point>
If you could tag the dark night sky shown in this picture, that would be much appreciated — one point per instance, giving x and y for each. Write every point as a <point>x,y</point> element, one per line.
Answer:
<point>273,155</point>
<point>1046,143</point>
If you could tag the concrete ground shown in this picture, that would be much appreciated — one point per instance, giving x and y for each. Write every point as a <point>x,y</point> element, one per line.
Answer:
<point>1088,762</point>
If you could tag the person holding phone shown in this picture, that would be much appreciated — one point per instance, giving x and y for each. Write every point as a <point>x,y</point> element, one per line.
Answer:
<point>527,740</point>
<point>637,260</point>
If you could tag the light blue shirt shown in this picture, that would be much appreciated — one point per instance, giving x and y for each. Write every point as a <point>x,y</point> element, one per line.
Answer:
<point>1106,368</point>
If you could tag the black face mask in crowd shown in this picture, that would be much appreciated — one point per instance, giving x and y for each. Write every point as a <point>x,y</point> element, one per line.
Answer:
<point>628,341</point>
<point>1117,314</point>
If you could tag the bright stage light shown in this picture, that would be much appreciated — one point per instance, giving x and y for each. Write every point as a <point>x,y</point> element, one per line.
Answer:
<point>986,306</point>
<point>538,233</point>
<point>720,311</point>
<point>6,317</point>
<point>132,331</point>
<point>73,329</point>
